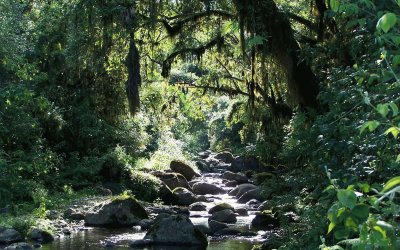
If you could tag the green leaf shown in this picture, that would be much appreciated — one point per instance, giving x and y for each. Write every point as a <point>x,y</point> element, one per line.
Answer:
<point>394,131</point>
<point>347,197</point>
<point>371,125</point>
<point>396,60</point>
<point>360,212</point>
<point>383,109</point>
<point>398,158</point>
<point>394,108</point>
<point>331,227</point>
<point>398,2</point>
<point>385,225</point>
<point>386,22</point>
<point>391,184</point>
<point>335,5</point>
<point>342,234</point>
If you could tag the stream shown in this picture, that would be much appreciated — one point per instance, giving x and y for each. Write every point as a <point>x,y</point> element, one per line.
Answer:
<point>119,238</point>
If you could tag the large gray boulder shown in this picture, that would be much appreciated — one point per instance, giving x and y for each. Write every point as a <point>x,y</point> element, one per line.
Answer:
<point>241,189</point>
<point>216,225</point>
<point>43,236</point>
<point>184,169</point>
<point>203,188</point>
<point>254,194</point>
<point>172,180</point>
<point>175,230</point>
<point>120,211</point>
<point>184,197</point>
<point>220,207</point>
<point>198,206</point>
<point>9,235</point>
<point>225,156</point>
<point>226,216</point>
<point>238,177</point>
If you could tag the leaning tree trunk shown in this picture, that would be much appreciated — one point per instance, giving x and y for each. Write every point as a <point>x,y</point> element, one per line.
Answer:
<point>134,78</point>
<point>263,18</point>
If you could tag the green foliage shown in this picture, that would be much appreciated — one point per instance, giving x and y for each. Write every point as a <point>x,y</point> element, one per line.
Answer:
<point>142,185</point>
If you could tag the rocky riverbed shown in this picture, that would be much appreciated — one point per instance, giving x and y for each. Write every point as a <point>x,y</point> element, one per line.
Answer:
<point>217,207</point>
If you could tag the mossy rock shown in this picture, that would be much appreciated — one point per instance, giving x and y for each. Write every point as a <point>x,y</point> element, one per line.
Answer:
<point>183,169</point>
<point>220,207</point>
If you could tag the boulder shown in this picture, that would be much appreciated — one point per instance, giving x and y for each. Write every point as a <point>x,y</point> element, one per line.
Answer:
<point>183,169</point>
<point>231,184</point>
<point>250,195</point>
<point>204,154</point>
<point>172,180</point>
<point>166,194</point>
<point>226,216</point>
<point>216,225</point>
<point>140,243</point>
<point>220,207</point>
<point>238,177</point>
<point>40,235</point>
<point>145,224</point>
<point>242,212</point>
<point>203,188</point>
<point>183,196</point>
<point>241,189</point>
<point>198,206</point>
<point>205,229</point>
<point>243,163</point>
<point>73,214</point>
<point>202,166</point>
<point>175,230</point>
<point>263,206</point>
<point>225,156</point>
<point>9,235</point>
<point>19,246</point>
<point>253,203</point>
<point>264,220</point>
<point>120,211</point>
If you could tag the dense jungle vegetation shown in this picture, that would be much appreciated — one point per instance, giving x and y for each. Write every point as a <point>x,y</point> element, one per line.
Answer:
<point>95,93</point>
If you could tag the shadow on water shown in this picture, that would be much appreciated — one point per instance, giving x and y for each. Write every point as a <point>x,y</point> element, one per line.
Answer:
<point>97,238</point>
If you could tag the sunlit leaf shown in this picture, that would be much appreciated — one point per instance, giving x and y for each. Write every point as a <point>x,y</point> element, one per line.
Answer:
<point>386,22</point>
<point>383,109</point>
<point>371,125</point>
<point>331,227</point>
<point>394,131</point>
<point>335,5</point>
<point>394,108</point>
<point>391,184</point>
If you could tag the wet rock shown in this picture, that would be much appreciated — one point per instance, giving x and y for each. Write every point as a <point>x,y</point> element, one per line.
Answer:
<point>226,216</point>
<point>73,214</point>
<point>225,156</point>
<point>241,189</point>
<point>220,207</point>
<point>19,246</point>
<point>202,166</point>
<point>204,154</point>
<point>203,188</point>
<point>145,224</point>
<point>183,169</point>
<point>253,203</point>
<point>191,183</point>
<point>216,225</point>
<point>238,177</point>
<point>121,211</point>
<point>231,184</point>
<point>204,229</point>
<point>227,231</point>
<point>184,196</point>
<point>242,212</point>
<point>166,194</point>
<point>9,235</point>
<point>202,198</point>
<point>175,230</point>
<point>140,243</point>
<point>263,206</point>
<point>198,206</point>
<point>172,180</point>
<point>41,235</point>
<point>264,221</point>
<point>250,195</point>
